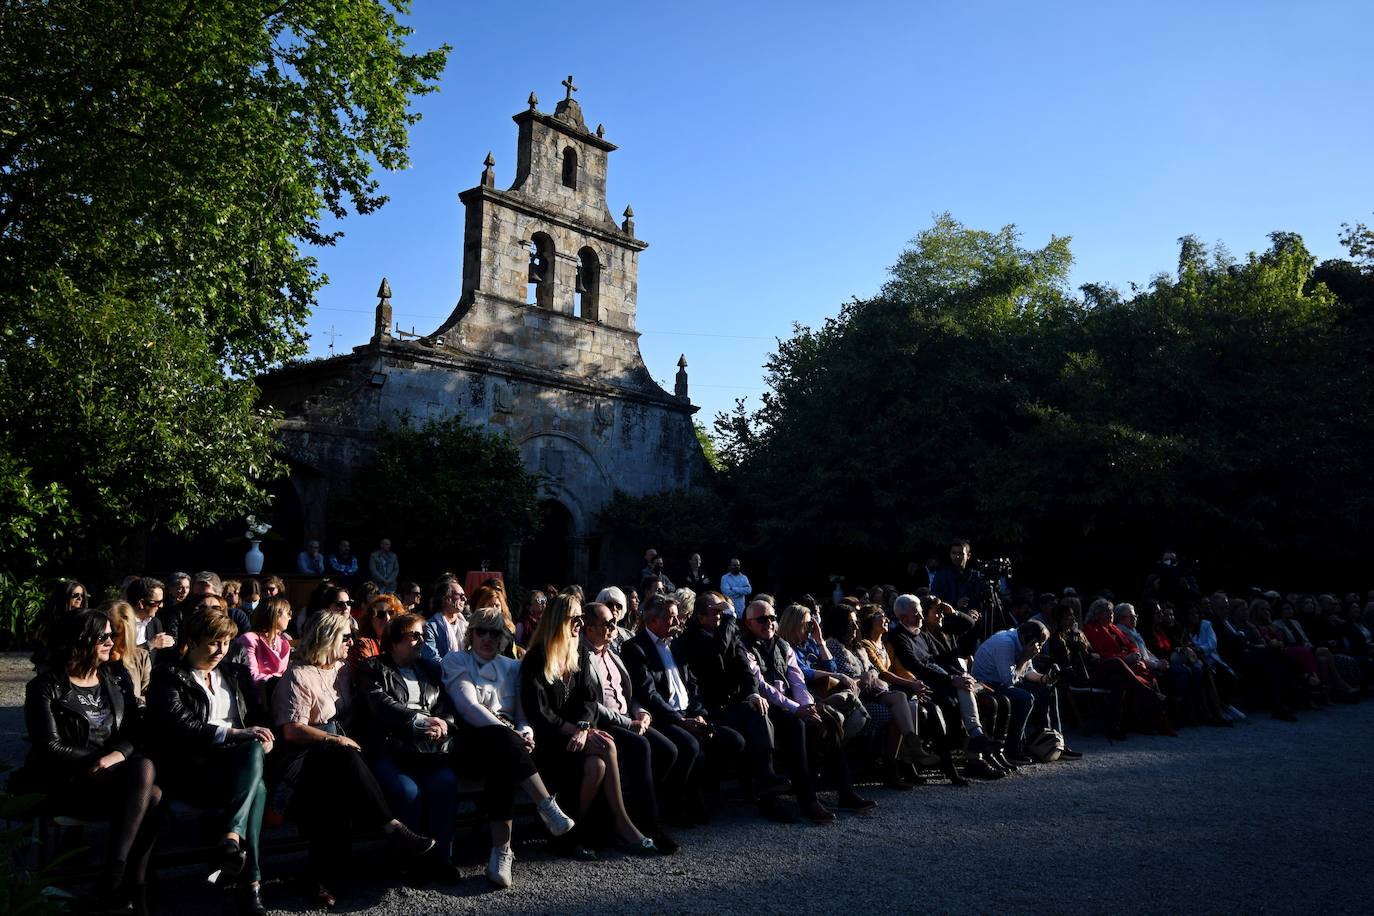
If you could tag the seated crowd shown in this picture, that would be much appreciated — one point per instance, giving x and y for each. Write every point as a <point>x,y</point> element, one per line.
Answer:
<point>617,717</point>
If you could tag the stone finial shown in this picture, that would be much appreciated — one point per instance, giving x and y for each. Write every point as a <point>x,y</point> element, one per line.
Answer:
<point>628,227</point>
<point>489,173</point>
<point>534,102</point>
<point>601,131</point>
<point>680,385</point>
<point>382,329</point>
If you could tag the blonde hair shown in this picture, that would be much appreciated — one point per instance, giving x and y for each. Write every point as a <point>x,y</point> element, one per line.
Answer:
<point>121,614</point>
<point>790,627</point>
<point>552,637</point>
<point>322,633</point>
<point>687,601</point>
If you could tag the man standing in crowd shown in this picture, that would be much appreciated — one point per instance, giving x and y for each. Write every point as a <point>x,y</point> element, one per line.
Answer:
<point>384,568</point>
<point>800,728</point>
<point>736,587</point>
<point>956,583</point>
<point>342,564</point>
<point>310,562</point>
<point>696,580</point>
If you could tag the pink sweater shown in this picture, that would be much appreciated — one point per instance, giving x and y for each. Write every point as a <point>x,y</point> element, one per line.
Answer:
<point>265,661</point>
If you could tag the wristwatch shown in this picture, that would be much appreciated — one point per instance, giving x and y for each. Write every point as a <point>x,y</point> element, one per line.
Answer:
<point>584,726</point>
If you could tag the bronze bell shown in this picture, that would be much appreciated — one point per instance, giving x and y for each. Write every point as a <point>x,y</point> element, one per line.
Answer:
<point>536,271</point>
<point>581,287</point>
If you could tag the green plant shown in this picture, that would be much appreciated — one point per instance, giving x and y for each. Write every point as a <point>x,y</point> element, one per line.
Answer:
<point>21,603</point>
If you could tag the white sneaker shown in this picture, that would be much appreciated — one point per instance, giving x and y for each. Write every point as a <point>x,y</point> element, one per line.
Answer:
<point>553,817</point>
<point>498,866</point>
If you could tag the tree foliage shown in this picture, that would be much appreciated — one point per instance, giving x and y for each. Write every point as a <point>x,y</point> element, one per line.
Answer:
<point>447,494</point>
<point>975,395</point>
<point>161,163</point>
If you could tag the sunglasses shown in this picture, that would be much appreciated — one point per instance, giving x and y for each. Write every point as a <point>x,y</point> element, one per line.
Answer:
<point>104,638</point>
<point>767,617</point>
<point>156,603</point>
<point>383,614</point>
<point>413,636</point>
<point>486,631</point>
<point>344,603</point>
<point>347,637</point>
<point>575,620</point>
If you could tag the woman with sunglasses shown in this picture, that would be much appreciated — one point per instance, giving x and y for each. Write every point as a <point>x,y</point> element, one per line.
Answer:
<point>559,696</point>
<point>266,649</point>
<point>333,789</point>
<point>494,741</point>
<point>81,723</point>
<point>381,610</point>
<point>208,743</point>
<point>407,724</point>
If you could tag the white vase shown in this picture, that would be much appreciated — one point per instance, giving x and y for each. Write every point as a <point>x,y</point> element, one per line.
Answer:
<point>252,560</point>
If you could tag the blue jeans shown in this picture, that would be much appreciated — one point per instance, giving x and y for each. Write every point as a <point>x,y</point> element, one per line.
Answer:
<point>423,793</point>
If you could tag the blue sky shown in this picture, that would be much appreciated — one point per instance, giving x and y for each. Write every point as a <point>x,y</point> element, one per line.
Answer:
<point>780,155</point>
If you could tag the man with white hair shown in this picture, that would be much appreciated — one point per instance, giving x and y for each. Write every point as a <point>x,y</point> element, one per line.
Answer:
<point>952,689</point>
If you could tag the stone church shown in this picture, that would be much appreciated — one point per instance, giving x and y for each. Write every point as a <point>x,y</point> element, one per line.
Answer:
<point>542,345</point>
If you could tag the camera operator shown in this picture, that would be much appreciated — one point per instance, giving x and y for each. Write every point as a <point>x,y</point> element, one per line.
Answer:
<point>958,584</point>
<point>1176,580</point>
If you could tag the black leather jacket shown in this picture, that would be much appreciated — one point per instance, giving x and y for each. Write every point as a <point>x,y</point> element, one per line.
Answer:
<point>385,723</point>
<point>60,733</point>
<point>179,711</point>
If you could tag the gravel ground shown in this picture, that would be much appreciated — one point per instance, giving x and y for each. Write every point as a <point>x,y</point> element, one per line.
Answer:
<point>1269,817</point>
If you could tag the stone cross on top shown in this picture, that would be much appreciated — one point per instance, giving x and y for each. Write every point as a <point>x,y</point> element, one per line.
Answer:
<point>571,88</point>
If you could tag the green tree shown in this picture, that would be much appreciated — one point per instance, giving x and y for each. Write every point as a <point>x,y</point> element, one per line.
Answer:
<point>1220,410</point>
<point>447,494</point>
<point>161,165</point>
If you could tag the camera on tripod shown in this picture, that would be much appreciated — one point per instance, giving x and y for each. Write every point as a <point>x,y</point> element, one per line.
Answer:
<point>993,568</point>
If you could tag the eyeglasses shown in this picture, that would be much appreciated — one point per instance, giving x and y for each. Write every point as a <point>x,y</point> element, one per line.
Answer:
<point>344,603</point>
<point>540,602</point>
<point>766,618</point>
<point>106,637</point>
<point>486,631</point>
<point>412,636</point>
<point>153,603</point>
<point>383,615</point>
<point>347,638</point>
<point>455,596</point>
<point>575,620</point>
<point>615,604</point>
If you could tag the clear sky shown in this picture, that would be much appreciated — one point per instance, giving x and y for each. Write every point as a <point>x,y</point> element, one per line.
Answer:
<point>780,155</point>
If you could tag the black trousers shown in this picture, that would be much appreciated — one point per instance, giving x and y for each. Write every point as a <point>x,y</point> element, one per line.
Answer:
<point>335,794</point>
<point>496,755</point>
<point>799,741</point>
<point>757,733</point>
<point>642,759</point>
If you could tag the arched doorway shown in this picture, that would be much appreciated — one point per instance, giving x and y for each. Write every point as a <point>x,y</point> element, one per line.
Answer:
<point>548,557</point>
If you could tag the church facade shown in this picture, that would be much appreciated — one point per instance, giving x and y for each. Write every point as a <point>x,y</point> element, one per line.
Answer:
<point>541,345</point>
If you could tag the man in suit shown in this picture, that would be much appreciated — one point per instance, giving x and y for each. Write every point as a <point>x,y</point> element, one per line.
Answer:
<point>710,647</point>
<point>668,691</point>
<point>646,756</point>
<point>146,596</point>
